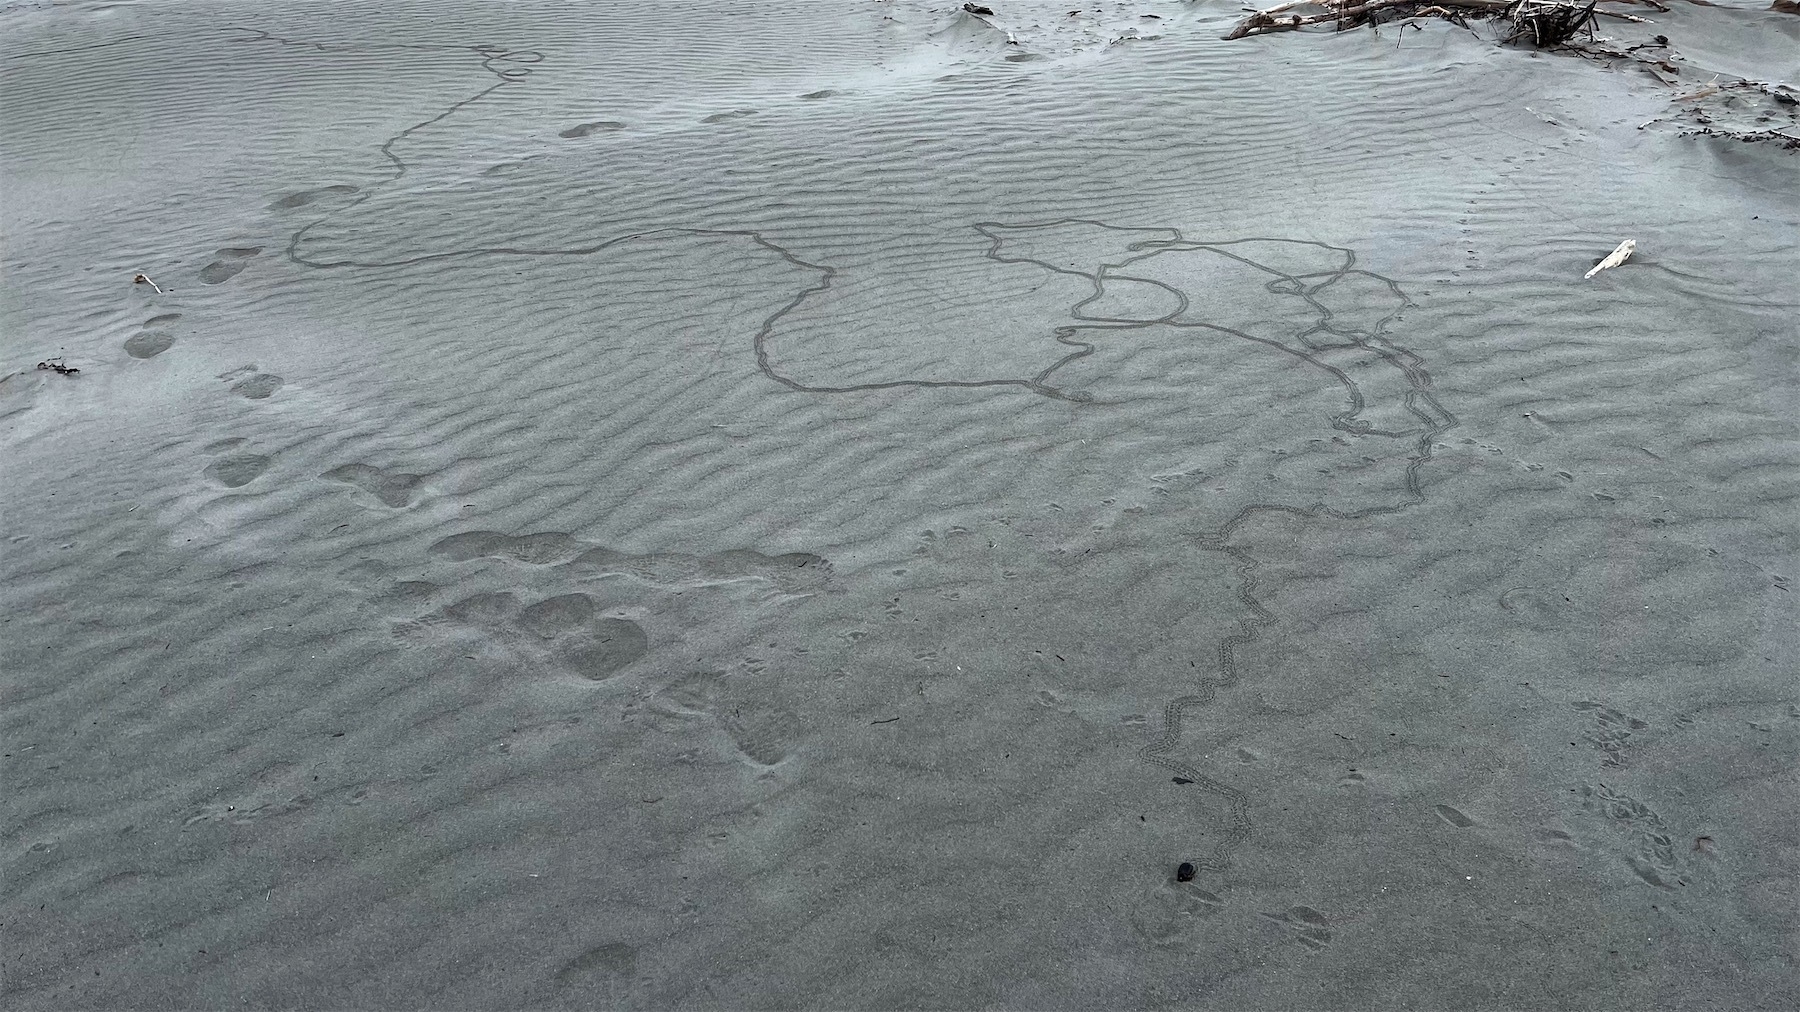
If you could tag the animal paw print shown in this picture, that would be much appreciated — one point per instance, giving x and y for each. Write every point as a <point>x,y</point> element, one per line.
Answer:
<point>563,632</point>
<point>793,573</point>
<point>1653,853</point>
<point>1610,731</point>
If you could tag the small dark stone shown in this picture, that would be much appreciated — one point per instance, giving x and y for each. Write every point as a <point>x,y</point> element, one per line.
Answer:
<point>1185,873</point>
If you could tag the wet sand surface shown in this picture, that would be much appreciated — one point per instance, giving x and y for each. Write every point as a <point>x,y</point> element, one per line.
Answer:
<point>813,505</point>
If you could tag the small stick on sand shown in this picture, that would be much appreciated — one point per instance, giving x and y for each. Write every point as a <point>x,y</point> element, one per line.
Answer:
<point>144,279</point>
<point>1615,258</point>
<point>1709,88</point>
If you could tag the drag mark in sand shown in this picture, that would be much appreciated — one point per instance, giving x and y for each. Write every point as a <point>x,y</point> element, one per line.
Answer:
<point>1310,345</point>
<point>1324,343</point>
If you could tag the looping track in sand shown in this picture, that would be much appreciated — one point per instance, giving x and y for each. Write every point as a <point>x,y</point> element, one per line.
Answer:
<point>1320,341</point>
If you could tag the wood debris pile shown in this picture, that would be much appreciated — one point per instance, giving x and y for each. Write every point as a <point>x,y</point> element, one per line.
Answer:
<point>1739,110</point>
<point>1549,24</point>
<point>1542,23</point>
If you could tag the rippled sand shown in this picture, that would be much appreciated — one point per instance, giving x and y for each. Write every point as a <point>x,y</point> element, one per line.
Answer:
<point>813,505</point>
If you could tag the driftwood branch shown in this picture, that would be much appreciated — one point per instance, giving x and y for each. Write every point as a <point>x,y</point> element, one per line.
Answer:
<point>1545,22</point>
<point>1347,13</point>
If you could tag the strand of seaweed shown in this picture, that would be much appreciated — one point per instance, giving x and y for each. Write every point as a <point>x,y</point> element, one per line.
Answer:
<point>1418,400</point>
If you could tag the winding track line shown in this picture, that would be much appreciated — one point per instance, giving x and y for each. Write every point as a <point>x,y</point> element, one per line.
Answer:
<point>513,67</point>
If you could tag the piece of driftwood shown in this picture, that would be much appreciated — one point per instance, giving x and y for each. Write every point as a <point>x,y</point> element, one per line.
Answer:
<point>1785,141</point>
<point>1548,23</point>
<point>1542,22</point>
<point>1709,88</point>
<point>1613,259</point>
<point>1348,13</point>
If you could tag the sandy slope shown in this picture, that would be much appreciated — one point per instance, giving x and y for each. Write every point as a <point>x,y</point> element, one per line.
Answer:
<point>764,506</point>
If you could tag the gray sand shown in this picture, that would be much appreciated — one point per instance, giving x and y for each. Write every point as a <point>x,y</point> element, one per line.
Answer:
<point>810,505</point>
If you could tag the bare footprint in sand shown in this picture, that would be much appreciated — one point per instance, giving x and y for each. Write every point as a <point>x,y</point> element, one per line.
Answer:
<point>149,344</point>
<point>1310,927</point>
<point>237,470</point>
<point>504,168</point>
<point>584,129</point>
<point>393,488</point>
<point>257,386</point>
<point>614,961</point>
<point>1454,817</point>
<point>1167,917</point>
<point>231,260</point>
<point>794,572</point>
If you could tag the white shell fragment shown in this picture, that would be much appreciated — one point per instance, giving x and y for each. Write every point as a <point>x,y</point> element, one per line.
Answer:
<point>1615,258</point>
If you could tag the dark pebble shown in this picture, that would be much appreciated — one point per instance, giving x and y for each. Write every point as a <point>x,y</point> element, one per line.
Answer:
<point>1185,873</point>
